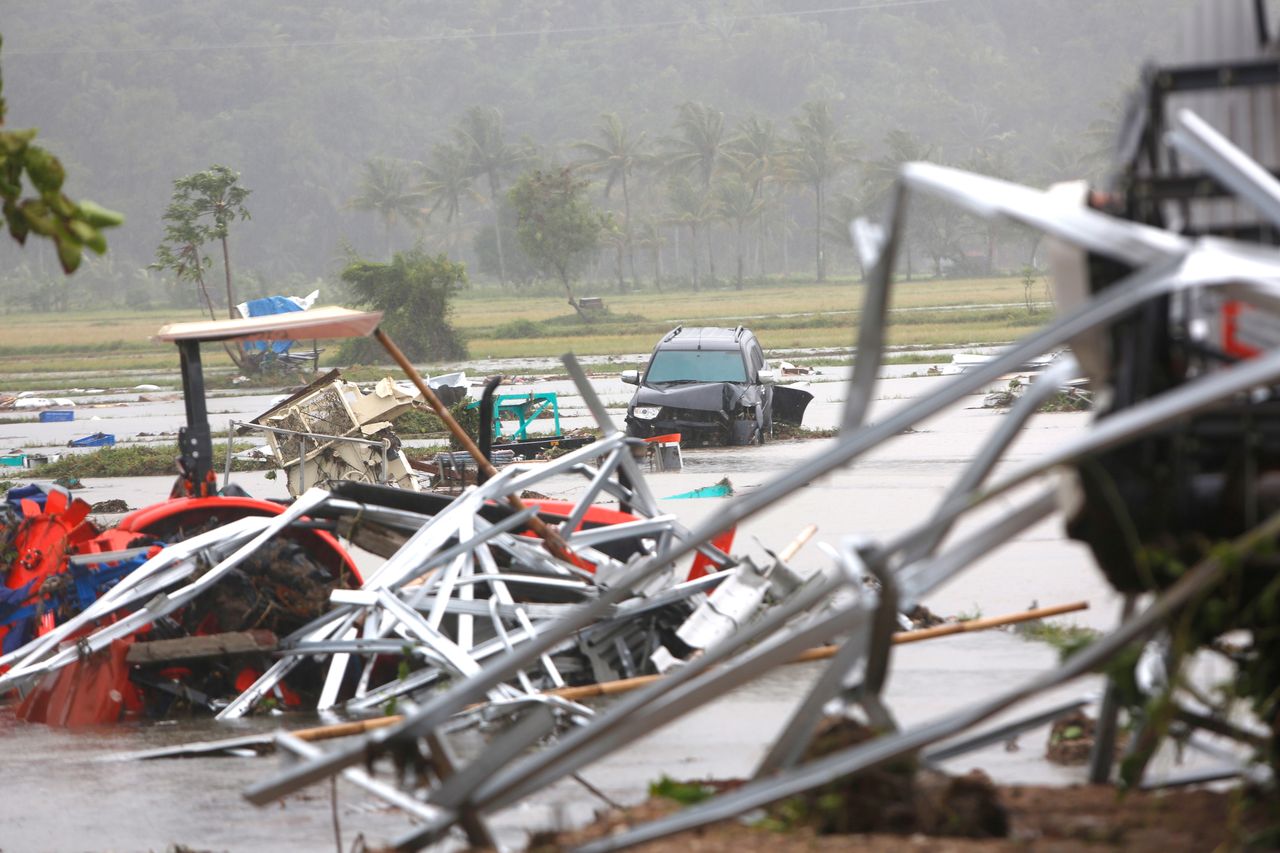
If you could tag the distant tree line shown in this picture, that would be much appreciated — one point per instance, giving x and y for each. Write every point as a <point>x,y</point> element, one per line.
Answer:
<point>356,125</point>
<point>705,204</point>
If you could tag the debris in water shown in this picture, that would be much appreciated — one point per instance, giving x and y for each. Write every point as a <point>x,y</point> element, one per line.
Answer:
<point>722,489</point>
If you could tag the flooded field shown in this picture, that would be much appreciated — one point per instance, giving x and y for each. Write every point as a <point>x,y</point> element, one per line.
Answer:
<point>63,792</point>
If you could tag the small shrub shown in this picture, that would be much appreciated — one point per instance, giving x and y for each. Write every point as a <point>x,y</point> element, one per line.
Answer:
<point>419,421</point>
<point>685,793</point>
<point>517,329</point>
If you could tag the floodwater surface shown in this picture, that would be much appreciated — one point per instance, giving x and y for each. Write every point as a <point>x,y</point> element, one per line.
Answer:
<point>60,793</point>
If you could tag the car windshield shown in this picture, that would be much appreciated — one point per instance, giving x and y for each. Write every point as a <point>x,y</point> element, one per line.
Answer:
<point>697,366</point>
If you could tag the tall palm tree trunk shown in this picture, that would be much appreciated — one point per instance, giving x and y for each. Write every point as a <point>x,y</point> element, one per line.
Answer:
<point>497,227</point>
<point>739,279</point>
<point>693,252</point>
<point>821,261</point>
<point>675,250</point>
<point>626,211</point>
<point>711,256</point>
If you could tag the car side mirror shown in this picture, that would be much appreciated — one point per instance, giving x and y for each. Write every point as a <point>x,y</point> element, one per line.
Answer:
<point>766,377</point>
<point>631,377</point>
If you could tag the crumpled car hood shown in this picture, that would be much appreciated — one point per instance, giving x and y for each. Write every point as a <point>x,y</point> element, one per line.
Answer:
<point>699,396</point>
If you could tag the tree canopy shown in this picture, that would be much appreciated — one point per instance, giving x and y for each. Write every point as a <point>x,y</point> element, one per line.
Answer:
<point>299,96</point>
<point>201,210</point>
<point>557,226</point>
<point>413,291</point>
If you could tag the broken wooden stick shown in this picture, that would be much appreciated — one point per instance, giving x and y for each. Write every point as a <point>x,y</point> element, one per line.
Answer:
<point>625,685</point>
<point>551,539</point>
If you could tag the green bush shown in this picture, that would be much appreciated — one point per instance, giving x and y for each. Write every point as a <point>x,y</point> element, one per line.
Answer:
<point>413,292</point>
<point>517,329</point>
<point>418,421</point>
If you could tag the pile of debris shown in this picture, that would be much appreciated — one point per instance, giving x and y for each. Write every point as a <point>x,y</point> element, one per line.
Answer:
<point>487,608</point>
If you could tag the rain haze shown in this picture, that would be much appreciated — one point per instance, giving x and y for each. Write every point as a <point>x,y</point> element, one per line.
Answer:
<point>318,104</point>
<point>836,416</point>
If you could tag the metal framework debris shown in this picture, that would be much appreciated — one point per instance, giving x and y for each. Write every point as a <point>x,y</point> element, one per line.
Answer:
<point>490,602</point>
<point>843,602</point>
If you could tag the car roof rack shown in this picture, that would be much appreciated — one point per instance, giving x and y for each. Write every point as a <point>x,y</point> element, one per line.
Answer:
<point>671,334</point>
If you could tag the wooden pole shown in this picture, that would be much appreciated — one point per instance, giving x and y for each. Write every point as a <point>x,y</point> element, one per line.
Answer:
<point>626,685</point>
<point>550,537</point>
<point>796,544</point>
<point>965,627</point>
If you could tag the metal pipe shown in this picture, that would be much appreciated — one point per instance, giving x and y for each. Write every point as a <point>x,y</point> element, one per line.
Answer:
<point>845,762</point>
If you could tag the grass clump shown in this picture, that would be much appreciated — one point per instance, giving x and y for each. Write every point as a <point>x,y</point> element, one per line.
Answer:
<point>783,432</point>
<point>1071,400</point>
<point>419,421</point>
<point>570,324</point>
<point>685,793</point>
<point>1067,639</point>
<point>139,461</point>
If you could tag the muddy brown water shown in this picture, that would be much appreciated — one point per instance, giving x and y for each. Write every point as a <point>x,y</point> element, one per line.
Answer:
<point>60,792</point>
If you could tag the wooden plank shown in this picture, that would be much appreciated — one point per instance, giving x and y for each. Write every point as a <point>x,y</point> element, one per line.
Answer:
<point>209,646</point>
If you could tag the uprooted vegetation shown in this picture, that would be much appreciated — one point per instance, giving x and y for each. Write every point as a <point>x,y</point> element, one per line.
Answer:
<point>138,461</point>
<point>898,797</point>
<point>1062,400</point>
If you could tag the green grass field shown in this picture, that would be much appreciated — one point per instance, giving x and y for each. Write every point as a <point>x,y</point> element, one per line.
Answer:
<point>79,348</point>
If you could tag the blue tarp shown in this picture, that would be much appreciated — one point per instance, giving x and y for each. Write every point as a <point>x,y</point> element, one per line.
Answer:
<point>89,582</point>
<point>30,491</point>
<point>263,307</point>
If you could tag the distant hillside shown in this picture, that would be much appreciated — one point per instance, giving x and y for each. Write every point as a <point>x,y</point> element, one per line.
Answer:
<point>299,96</point>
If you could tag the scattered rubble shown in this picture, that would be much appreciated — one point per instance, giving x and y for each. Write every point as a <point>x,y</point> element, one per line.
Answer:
<point>899,797</point>
<point>488,609</point>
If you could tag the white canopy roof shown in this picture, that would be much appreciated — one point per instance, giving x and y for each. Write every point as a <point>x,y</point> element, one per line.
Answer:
<point>326,322</point>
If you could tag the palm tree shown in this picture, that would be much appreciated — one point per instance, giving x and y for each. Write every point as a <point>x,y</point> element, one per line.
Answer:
<point>615,156</point>
<point>881,173</point>
<point>818,153</point>
<point>446,181</point>
<point>651,239</point>
<point>737,204</point>
<point>843,209</point>
<point>692,208</point>
<point>386,189</point>
<point>700,145</point>
<point>481,135</point>
<point>613,237</point>
<point>758,154</point>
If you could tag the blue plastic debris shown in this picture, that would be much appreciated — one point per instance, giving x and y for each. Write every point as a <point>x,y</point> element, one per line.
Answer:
<point>98,439</point>
<point>722,489</point>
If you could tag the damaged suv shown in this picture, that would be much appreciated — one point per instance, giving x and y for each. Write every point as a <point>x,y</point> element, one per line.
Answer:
<point>712,386</point>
